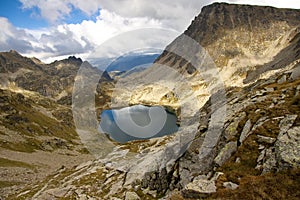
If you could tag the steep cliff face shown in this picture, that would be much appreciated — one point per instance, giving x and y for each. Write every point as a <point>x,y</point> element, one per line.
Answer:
<point>241,38</point>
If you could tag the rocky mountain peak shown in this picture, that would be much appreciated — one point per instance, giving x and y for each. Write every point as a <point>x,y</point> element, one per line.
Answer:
<point>209,25</point>
<point>240,39</point>
<point>71,60</point>
<point>14,52</point>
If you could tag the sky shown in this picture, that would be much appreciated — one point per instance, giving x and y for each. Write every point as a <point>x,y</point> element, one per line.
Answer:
<point>55,29</point>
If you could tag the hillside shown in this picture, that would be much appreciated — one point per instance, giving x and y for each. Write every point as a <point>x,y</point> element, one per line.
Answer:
<point>37,132</point>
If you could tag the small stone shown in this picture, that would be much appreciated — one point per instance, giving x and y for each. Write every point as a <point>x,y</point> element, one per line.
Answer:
<point>131,196</point>
<point>265,139</point>
<point>286,123</point>
<point>295,74</point>
<point>225,153</point>
<point>216,176</point>
<point>231,130</point>
<point>202,186</point>
<point>282,79</point>
<point>268,89</point>
<point>258,167</point>
<point>269,163</point>
<point>230,185</point>
<point>246,131</point>
<point>261,156</point>
<point>282,96</point>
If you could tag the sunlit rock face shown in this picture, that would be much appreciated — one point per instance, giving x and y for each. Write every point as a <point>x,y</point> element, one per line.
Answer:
<point>137,123</point>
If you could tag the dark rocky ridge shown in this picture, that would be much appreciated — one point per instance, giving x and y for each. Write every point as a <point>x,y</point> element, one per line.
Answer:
<point>216,18</point>
<point>51,80</point>
<point>226,30</point>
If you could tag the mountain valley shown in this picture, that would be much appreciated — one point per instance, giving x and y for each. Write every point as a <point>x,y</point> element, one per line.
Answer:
<point>232,79</point>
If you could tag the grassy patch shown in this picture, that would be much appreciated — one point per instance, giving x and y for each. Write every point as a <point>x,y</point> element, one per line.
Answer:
<point>282,185</point>
<point>4,184</point>
<point>29,146</point>
<point>12,163</point>
<point>248,153</point>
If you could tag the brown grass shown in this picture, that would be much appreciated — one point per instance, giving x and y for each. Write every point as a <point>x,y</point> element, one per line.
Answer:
<point>283,185</point>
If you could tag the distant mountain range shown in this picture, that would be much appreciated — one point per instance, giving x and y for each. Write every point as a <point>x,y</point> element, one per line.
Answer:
<point>125,62</point>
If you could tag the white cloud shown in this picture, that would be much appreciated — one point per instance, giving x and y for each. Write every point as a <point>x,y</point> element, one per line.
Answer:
<point>14,38</point>
<point>274,3</point>
<point>109,24</point>
<point>53,10</point>
<point>84,38</point>
<point>171,13</point>
<point>115,17</point>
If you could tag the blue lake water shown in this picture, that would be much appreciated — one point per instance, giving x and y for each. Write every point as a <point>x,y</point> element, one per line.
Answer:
<point>137,123</point>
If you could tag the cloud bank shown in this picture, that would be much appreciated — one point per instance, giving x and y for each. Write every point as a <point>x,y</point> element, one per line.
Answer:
<point>113,17</point>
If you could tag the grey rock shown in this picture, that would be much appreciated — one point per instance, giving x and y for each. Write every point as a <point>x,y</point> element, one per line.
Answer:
<point>270,162</point>
<point>225,153</point>
<point>131,196</point>
<point>231,130</point>
<point>297,90</point>
<point>261,156</point>
<point>259,123</point>
<point>83,197</point>
<point>282,79</point>
<point>272,105</point>
<point>295,74</point>
<point>202,186</point>
<point>287,148</point>
<point>269,89</point>
<point>265,139</point>
<point>246,131</point>
<point>260,93</point>
<point>147,191</point>
<point>230,185</point>
<point>286,123</point>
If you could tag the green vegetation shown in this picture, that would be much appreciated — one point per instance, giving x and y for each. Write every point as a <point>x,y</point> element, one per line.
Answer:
<point>281,185</point>
<point>4,184</point>
<point>24,116</point>
<point>12,163</point>
<point>29,146</point>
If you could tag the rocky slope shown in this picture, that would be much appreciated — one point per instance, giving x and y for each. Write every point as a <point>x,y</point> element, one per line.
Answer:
<point>237,97</point>
<point>37,132</point>
<point>53,80</point>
